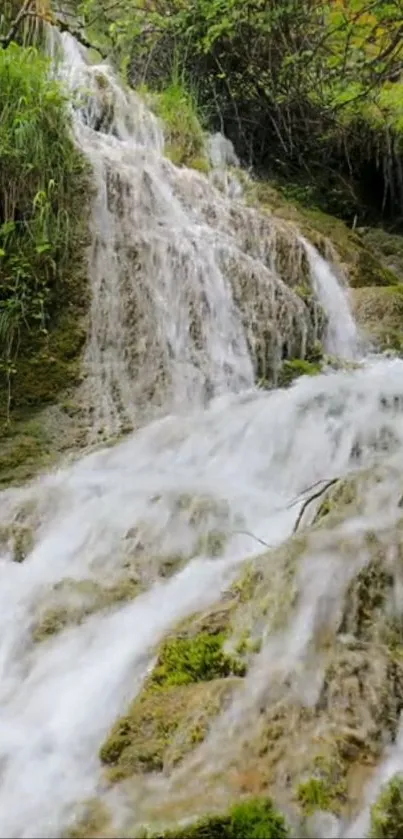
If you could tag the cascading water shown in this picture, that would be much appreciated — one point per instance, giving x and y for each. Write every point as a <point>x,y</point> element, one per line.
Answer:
<point>184,285</point>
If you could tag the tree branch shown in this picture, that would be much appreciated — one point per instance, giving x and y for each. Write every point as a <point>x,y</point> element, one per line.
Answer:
<point>79,36</point>
<point>5,40</point>
<point>315,495</point>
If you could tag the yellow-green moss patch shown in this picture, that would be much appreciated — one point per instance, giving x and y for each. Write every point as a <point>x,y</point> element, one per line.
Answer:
<point>162,726</point>
<point>197,658</point>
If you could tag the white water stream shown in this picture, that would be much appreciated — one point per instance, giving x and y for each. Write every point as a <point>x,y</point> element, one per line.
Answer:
<point>168,329</point>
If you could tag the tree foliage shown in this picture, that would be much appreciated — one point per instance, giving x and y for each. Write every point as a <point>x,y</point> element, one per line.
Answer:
<point>295,85</point>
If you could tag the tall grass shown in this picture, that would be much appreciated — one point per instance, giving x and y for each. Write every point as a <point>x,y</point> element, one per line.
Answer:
<point>177,106</point>
<point>41,178</point>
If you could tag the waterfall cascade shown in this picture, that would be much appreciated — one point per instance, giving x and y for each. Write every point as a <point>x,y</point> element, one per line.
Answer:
<point>192,292</point>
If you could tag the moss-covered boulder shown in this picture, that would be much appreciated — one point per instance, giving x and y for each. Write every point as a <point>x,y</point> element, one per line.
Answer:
<point>251,819</point>
<point>191,682</point>
<point>162,726</point>
<point>379,312</point>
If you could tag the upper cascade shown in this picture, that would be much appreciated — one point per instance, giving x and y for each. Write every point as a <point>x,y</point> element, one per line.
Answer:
<point>194,294</point>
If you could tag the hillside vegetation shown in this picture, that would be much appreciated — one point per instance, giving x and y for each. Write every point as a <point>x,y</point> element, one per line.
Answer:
<point>309,91</point>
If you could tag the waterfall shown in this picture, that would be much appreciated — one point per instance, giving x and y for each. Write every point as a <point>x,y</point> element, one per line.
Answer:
<point>187,285</point>
<point>193,294</point>
<point>342,335</point>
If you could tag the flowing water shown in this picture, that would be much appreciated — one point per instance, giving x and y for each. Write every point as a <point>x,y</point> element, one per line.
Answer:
<point>186,285</point>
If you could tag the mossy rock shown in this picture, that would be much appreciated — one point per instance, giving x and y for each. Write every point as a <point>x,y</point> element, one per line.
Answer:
<point>25,447</point>
<point>162,726</point>
<point>18,539</point>
<point>362,264</point>
<point>387,812</point>
<point>75,600</point>
<point>366,600</point>
<point>251,819</point>
<point>379,312</point>
<point>337,501</point>
<point>91,822</point>
<point>191,681</point>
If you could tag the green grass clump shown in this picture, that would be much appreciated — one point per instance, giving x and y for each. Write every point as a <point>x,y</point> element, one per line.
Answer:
<point>387,812</point>
<point>314,794</point>
<point>253,819</point>
<point>291,370</point>
<point>43,207</point>
<point>183,661</point>
<point>177,108</point>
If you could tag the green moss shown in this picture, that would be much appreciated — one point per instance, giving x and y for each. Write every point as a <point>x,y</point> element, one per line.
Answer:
<point>162,726</point>
<point>194,659</point>
<point>253,819</point>
<point>191,680</point>
<point>387,813</point>
<point>24,449</point>
<point>291,370</point>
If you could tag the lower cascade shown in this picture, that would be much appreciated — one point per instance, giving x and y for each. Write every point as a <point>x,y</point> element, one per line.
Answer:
<point>211,607</point>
